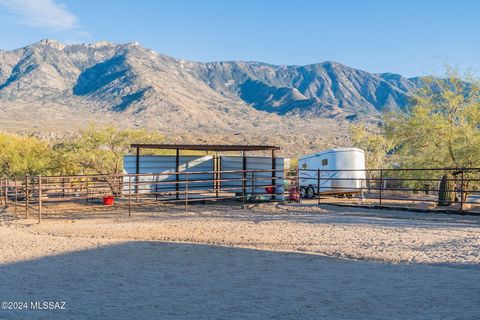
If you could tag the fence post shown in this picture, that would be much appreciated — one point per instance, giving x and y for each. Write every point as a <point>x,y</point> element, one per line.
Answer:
<point>186,191</point>
<point>87,190</point>
<point>39,199</point>
<point>26,196</point>
<point>137,187</point>
<point>129,195</point>
<point>1,189</point>
<point>298,185</point>
<point>318,185</point>
<point>6,190</point>
<point>217,175</point>
<point>244,185</point>
<point>461,191</point>
<point>244,182</point>
<point>16,195</point>
<point>253,184</point>
<point>381,185</point>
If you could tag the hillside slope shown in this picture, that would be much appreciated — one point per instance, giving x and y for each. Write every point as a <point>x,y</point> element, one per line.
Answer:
<point>49,86</point>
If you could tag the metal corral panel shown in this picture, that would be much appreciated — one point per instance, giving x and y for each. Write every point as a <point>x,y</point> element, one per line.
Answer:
<point>262,179</point>
<point>162,168</point>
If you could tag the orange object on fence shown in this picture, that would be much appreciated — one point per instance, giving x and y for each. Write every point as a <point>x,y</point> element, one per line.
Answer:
<point>269,190</point>
<point>108,200</point>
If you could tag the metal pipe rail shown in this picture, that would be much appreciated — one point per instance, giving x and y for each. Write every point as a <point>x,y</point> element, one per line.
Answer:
<point>386,186</point>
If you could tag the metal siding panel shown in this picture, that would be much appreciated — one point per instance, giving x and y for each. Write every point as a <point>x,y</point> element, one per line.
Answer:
<point>161,166</point>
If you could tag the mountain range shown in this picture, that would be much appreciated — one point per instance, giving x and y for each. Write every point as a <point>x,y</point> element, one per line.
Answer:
<point>49,86</point>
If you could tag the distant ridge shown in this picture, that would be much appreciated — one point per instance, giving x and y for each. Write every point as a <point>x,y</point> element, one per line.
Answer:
<point>118,77</point>
<point>52,83</point>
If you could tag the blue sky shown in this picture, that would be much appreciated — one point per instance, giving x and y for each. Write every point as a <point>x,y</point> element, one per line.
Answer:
<point>406,37</point>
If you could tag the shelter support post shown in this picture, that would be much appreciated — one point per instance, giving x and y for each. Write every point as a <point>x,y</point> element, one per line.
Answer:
<point>137,170</point>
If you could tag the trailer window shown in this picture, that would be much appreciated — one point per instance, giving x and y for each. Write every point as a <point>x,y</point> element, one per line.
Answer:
<point>304,165</point>
<point>324,162</point>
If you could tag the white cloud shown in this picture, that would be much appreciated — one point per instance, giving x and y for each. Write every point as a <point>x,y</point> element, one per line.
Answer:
<point>41,13</point>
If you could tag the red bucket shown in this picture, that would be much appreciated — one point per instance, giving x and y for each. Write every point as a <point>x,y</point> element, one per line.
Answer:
<point>293,194</point>
<point>108,200</point>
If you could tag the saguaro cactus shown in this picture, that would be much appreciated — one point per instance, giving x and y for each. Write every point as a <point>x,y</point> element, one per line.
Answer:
<point>446,192</point>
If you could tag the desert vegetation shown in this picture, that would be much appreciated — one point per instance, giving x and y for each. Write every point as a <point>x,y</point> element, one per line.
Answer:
<point>440,130</point>
<point>95,150</point>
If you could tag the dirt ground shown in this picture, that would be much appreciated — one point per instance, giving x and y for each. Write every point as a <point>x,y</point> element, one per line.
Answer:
<point>221,261</point>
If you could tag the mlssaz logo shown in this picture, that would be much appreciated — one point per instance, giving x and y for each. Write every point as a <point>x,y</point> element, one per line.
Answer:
<point>47,305</point>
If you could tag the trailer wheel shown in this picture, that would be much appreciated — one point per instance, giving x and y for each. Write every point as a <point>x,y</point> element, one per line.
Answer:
<point>310,193</point>
<point>303,192</point>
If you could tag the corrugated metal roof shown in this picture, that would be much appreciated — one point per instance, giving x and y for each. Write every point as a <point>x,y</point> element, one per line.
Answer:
<point>205,147</point>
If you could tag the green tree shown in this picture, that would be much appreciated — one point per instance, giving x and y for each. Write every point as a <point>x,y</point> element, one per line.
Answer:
<point>22,155</point>
<point>442,129</point>
<point>101,151</point>
<point>374,142</point>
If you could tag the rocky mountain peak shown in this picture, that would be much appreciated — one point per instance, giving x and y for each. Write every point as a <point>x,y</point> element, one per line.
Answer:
<point>130,79</point>
<point>52,43</point>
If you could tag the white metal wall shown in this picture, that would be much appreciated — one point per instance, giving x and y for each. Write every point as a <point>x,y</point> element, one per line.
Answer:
<point>162,166</point>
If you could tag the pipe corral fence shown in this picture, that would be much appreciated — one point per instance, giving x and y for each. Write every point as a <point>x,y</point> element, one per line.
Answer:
<point>401,189</point>
<point>415,189</point>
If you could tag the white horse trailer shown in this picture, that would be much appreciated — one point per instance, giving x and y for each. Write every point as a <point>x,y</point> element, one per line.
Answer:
<point>339,171</point>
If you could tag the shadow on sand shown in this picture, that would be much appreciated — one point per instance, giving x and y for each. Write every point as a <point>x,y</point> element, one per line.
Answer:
<point>156,280</point>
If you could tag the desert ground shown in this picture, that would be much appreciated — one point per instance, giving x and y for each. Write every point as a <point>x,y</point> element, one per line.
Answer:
<point>270,261</point>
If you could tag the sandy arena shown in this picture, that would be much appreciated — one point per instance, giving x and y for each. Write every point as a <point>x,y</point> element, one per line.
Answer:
<point>222,262</point>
